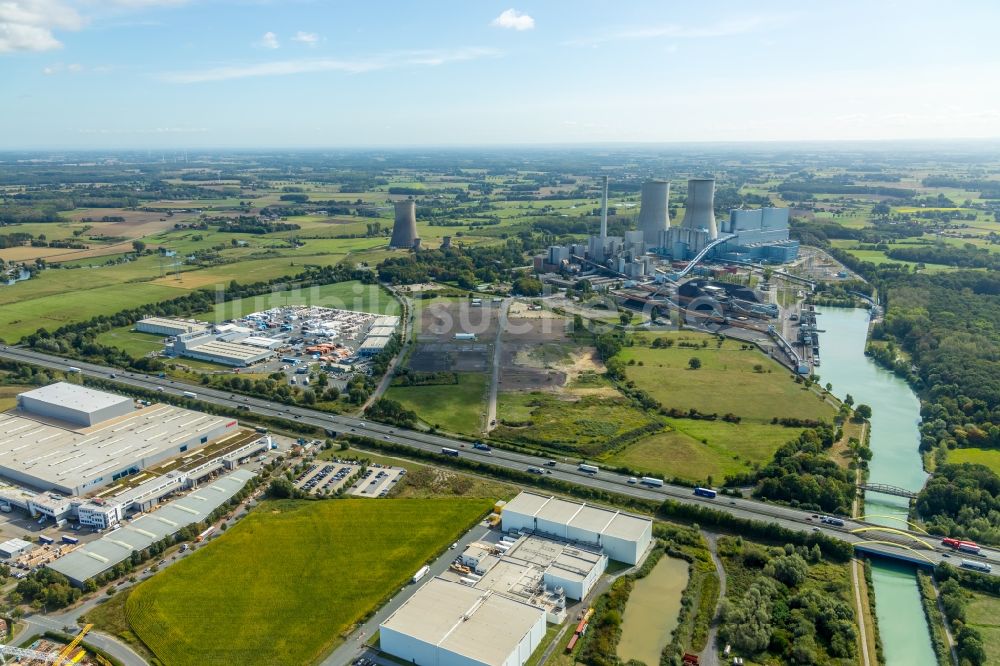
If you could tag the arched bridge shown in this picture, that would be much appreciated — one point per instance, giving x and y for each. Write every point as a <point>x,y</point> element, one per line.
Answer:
<point>886,489</point>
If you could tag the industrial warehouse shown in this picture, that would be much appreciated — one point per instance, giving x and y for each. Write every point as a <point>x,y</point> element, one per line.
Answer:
<point>492,605</point>
<point>75,452</point>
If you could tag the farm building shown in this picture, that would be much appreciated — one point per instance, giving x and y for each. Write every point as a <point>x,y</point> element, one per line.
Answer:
<point>167,326</point>
<point>451,624</point>
<point>622,536</point>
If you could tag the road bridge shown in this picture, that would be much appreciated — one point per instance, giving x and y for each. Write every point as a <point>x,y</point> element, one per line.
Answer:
<point>886,489</point>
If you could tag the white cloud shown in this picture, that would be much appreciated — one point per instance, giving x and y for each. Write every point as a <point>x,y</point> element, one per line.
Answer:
<point>307,38</point>
<point>513,19</point>
<point>268,40</point>
<point>27,25</point>
<point>312,65</point>
<point>723,28</point>
<point>58,68</point>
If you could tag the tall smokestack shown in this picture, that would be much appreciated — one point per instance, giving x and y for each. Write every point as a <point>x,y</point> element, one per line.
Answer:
<point>604,212</point>
<point>654,215</point>
<point>404,229</point>
<point>700,211</point>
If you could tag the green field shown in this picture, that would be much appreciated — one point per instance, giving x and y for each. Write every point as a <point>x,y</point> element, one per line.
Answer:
<point>457,408</point>
<point>133,343</point>
<point>286,583</point>
<point>983,613</point>
<point>726,382</point>
<point>352,295</point>
<point>558,424</point>
<point>680,452</point>
<point>988,457</point>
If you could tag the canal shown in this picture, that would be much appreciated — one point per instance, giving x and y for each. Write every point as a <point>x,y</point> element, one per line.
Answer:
<point>895,439</point>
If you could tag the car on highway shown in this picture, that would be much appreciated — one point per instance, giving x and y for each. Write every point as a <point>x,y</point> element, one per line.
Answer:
<point>536,470</point>
<point>633,480</point>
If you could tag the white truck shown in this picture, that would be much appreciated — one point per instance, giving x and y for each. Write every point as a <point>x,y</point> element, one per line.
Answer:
<point>421,572</point>
<point>589,469</point>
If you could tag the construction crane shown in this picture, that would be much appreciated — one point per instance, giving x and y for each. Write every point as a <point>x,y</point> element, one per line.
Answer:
<point>22,653</point>
<point>68,650</point>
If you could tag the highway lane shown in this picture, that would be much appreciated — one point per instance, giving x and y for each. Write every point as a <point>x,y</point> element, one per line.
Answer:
<point>565,469</point>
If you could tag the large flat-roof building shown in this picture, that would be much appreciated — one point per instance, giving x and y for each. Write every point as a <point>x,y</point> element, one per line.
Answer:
<point>41,449</point>
<point>622,536</point>
<point>74,404</point>
<point>451,624</point>
<point>225,353</point>
<point>169,326</point>
<point>101,555</point>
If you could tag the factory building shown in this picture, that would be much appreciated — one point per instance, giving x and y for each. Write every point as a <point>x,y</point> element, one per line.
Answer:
<point>74,404</point>
<point>72,456</point>
<point>623,537</point>
<point>166,326</point>
<point>373,345</point>
<point>450,624</point>
<point>204,347</point>
<point>103,554</point>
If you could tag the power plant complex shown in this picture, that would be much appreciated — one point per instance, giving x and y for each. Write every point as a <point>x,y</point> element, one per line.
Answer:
<point>750,235</point>
<point>404,229</point>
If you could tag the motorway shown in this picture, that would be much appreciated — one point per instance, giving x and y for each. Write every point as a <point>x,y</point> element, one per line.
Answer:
<point>564,470</point>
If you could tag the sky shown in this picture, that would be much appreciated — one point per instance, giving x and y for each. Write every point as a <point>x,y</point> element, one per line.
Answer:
<point>77,74</point>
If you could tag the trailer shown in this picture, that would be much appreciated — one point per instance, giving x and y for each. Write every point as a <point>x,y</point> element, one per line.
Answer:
<point>449,452</point>
<point>589,469</point>
<point>977,566</point>
<point>73,368</point>
<point>421,572</point>
<point>69,539</point>
<point>204,535</point>
<point>705,492</point>
<point>45,539</point>
<point>830,520</point>
<point>190,394</point>
<point>651,481</point>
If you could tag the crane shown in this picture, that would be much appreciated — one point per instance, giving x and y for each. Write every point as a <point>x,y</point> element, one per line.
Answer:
<point>68,650</point>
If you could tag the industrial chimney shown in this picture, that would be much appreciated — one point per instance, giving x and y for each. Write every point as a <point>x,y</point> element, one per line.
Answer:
<point>700,211</point>
<point>404,230</point>
<point>654,216</point>
<point>604,214</point>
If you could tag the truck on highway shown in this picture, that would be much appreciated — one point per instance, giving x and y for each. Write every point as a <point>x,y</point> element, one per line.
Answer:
<point>421,572</point>
<point>73,368</point>
<point>651,481</point>
<point>705,492</point>
<point>589,469</point>
<point>963,546</point>
<point>978,566</point>
<point>830,520</point>
<point>190,394</point>
<point>449,452</point>
<point>481,447</point>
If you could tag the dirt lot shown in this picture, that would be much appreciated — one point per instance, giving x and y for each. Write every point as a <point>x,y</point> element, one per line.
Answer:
<point>438,350</point>
<point>539,354</point>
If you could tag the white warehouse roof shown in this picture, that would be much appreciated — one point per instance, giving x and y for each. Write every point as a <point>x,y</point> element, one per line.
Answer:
<point>76,397</point>
<point>481,626</point>
<point>583,516</point>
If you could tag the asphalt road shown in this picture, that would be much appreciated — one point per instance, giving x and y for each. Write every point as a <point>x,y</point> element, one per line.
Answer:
<point>565,469</point>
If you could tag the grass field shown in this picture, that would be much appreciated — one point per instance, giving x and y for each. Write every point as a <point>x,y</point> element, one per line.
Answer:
<point>131,342</point>
<point>983,613</point>
<point>680,452</point>
<point>351,295</point>
<point>988,457</point>
<point>455,408</point>
<point>286,583</point>
<point>726,381</point>
<point>8,395</point>
<point>582,427</point>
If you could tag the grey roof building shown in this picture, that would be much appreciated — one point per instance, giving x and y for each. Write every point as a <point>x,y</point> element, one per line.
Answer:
<point>74,404</point>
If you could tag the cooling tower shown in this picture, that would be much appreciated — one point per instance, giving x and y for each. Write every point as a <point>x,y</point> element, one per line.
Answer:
<point>654,216</point>
<point>700,211</point>
<point>404,230</point>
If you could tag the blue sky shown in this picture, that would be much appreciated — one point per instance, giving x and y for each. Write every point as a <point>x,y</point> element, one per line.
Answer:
<point>259,73</point>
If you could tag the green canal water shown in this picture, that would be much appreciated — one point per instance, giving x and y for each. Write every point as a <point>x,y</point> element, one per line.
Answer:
<point>895,439</point>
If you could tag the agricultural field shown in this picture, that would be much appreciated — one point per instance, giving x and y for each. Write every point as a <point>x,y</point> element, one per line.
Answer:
<point>696,450</point>
<point>457,408</point>
<point>730,380</point>
<point>247,586</point>
<point>979,456</point>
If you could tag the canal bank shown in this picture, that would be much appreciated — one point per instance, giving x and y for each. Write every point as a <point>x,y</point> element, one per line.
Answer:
<point>895,440</point>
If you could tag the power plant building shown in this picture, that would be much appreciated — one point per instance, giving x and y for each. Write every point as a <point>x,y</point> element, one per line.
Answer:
<point>622,536</point>
<point>404,229</point>
<point>447,623</point>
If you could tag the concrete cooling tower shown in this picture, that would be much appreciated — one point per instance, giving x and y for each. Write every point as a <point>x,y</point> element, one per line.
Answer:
<point>404,230</point>
<point>700,211</point>
<point>654,216</point>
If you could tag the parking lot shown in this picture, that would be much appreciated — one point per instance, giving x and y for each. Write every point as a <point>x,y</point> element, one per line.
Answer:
<point>325,478</point>
<point>377,481</point>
